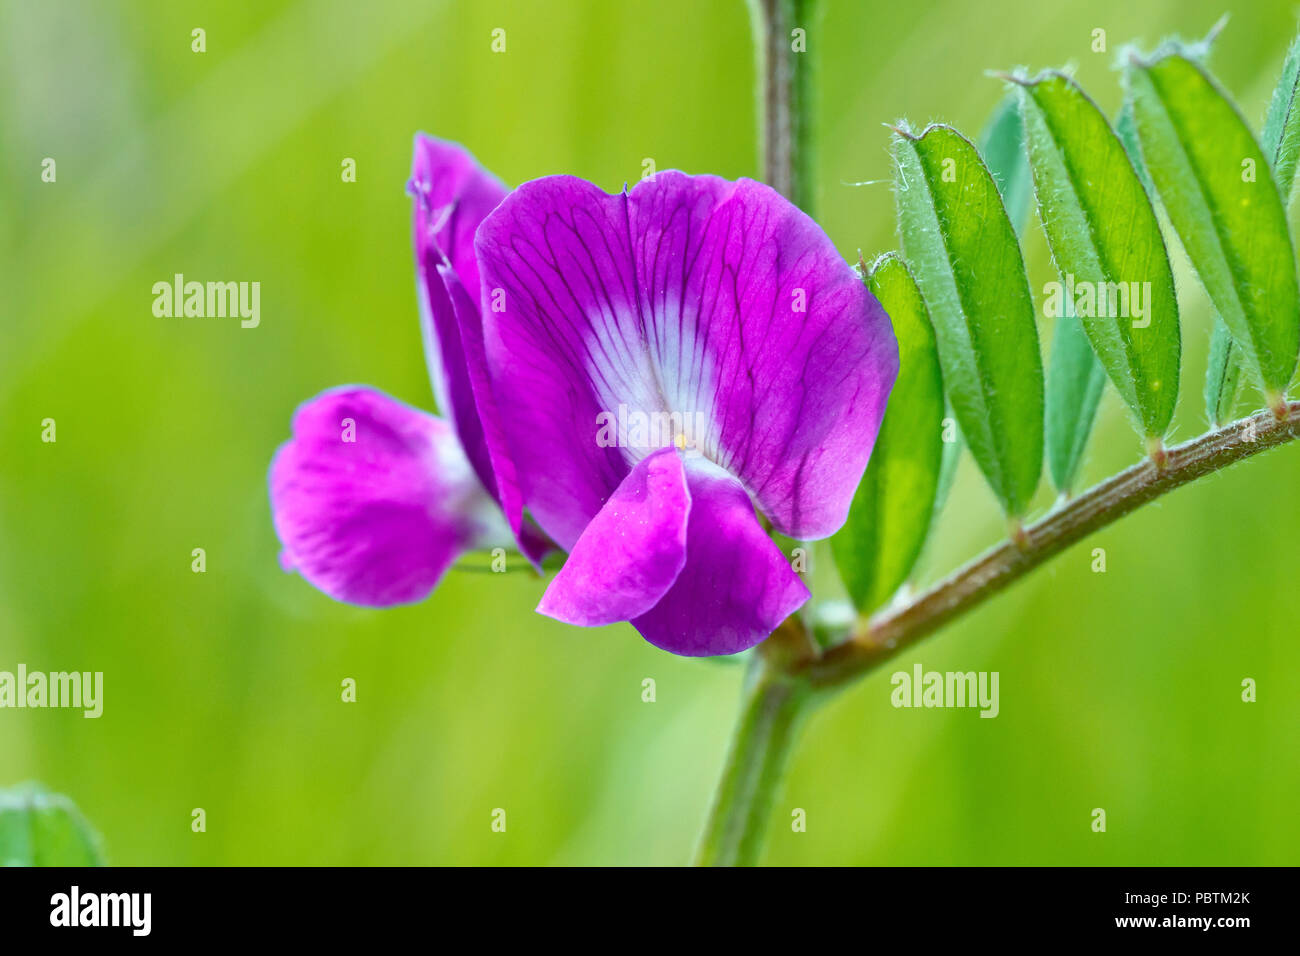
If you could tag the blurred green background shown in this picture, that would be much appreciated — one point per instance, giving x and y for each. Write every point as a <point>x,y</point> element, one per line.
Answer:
<point>222,690</point>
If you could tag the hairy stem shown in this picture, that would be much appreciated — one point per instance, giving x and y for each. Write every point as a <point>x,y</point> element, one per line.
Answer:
<point>775,697</point>
<point>896,628</point>
<point>785,87</point>
<point>773,706</point>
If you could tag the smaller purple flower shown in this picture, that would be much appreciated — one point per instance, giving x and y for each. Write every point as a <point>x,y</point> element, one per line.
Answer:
<point>374,500</point>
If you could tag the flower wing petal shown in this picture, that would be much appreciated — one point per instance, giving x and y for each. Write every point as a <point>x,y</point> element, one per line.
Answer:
<point>372,499</point>
<point>453,194</point>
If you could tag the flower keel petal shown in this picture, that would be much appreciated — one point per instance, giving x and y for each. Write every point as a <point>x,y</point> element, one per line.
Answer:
<point>631,553</point>
<point>736,585</point>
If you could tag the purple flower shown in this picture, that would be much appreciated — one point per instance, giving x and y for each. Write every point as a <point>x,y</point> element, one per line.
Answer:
<point>631,377</point>
<point>719,309</point>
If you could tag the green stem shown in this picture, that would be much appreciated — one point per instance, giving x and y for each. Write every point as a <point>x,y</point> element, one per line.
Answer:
<point>770,716</point>
<point>897,627</point>
<point>774,701</point>
<point>785,89</point>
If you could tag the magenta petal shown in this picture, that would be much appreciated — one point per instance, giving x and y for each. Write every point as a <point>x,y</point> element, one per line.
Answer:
<point>719,301</point>
<point>372,499</point>
<point>557,274</point>
<point>736,586</point>
<point>444,304</point>
<point>631,553</point>
<point>453,194</point>
<point>796,355</point>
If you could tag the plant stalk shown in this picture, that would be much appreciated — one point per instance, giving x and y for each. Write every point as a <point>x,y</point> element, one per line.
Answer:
<point>890,632</point>
<point>771,713</point>
<point>774,700</point>
<point>785,89</point>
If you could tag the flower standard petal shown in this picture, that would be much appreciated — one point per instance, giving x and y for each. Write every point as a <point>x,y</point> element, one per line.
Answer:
<point>773,334</point>
<point>373,500</point>
<point>558,286</point>
<point>722,305</point>
<point>719,302</point>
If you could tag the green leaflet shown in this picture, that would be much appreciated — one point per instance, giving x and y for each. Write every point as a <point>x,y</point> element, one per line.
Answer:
<point>1002,144</point>
<point>1281,144</point>
<point>952,449</point>
<point>962,248</point>
<point>1107,245</point>
<point>1282,124</point>
<point>1126,130</point>
<point>894,504</point>
<point>1216,186</point>
<point>39,828</point>
<point>1222,375</point>
<point>1075,381</point>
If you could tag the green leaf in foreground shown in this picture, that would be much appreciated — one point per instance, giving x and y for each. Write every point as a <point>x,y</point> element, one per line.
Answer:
<point>1002,144</point>
<point>1223,374</point>
<point>894,504</point>
<point>1216,186</point>
<point>962,249</point>
<point>1107,245</point>
<point>1075,381</point>
<point>39,828</point>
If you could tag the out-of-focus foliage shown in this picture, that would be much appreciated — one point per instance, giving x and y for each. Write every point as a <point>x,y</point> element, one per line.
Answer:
<point>39,828</point>
<point>1120,690</point>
